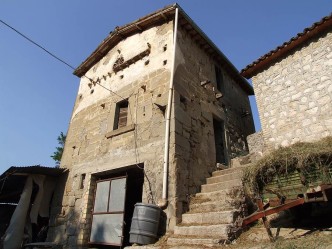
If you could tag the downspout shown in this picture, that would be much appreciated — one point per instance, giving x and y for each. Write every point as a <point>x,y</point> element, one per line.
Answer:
<point>163,203</point>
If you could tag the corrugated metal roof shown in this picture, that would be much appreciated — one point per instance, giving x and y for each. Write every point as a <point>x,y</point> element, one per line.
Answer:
<point>13,179</point>
<point>264,61</point>
<point>35,169</point>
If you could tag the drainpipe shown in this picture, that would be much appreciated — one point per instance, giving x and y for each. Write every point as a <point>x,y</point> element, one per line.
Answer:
<point>163,203</point>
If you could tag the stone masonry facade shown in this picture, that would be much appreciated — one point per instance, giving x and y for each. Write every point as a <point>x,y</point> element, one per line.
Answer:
<point>137,69</point>
<point>294,94</point>
<point>194,114</point>
<point>92,148</point>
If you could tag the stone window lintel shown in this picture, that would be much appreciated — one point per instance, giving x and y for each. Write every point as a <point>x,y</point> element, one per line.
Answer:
<point>120,131</point>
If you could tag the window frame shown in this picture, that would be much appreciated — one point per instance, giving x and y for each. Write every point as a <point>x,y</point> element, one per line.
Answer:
<point>121,106</point>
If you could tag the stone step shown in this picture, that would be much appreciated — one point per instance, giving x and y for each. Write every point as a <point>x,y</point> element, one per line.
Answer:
<point>212,212</point>
<point>212,206</point>
<point>221,230</point>
<point>225,177</point>
<point>193,241</point>
<point>222,217</point>
<point>221,185</point>
<point>224,194</point>
<point>241,161</point>
<point>227,171</point>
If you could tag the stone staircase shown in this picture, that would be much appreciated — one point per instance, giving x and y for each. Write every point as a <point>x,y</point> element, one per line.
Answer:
<point>213,213</point>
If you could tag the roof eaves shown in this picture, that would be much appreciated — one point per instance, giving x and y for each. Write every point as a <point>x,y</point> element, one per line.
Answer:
<point>122,32</point>
<point>242,81</point>
<point>35,169</point>
<point>159,16</point>
<point>264,61</point>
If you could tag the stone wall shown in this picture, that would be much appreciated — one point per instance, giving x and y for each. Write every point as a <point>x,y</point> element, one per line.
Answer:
<point>256,143</point>
<point>194,111</point>
<point>94,147</point>
<point>294,95</point>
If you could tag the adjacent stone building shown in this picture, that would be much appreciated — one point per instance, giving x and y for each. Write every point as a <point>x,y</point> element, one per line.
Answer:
<point>158,106</point>
<point>293,87</point>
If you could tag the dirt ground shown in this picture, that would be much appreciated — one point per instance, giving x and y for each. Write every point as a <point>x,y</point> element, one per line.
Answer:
<point>312,231</point>
<point>256,238</point>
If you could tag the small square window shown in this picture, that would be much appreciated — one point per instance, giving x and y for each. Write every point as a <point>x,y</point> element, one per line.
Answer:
<point>121,114</point>
<point>82,180</point>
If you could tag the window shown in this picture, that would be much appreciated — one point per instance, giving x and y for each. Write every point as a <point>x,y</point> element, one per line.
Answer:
<point>219,79</point>
<point>121,114</point>
<point>82,181</point>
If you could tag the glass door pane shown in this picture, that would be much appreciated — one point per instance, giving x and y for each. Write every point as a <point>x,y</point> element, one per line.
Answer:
<point>101,200</point>
<point>108,212</point>
<point>107,228</point>
<point>117,195</point>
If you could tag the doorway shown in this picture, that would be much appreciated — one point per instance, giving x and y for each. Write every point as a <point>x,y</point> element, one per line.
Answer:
<point>116,194</point>
<point>219,140</point>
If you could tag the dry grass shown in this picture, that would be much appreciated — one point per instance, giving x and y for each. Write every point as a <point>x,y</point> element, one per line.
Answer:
<point>301,157</point>
<point>313,240</point>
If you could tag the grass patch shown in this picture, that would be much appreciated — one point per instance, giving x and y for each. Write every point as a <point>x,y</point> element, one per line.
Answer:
<point>312,162</point>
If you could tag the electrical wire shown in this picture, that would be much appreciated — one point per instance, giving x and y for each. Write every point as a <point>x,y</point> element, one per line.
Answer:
<point>150,194</point>
<point>55,56</point>
<point>35,43</point>
<point>92,81</point>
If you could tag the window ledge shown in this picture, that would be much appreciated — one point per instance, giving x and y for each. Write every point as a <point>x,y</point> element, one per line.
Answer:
<point>120,131</point>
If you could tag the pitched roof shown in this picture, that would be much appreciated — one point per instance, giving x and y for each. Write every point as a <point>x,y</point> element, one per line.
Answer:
<point>266,60</point>
<point>156,18</point>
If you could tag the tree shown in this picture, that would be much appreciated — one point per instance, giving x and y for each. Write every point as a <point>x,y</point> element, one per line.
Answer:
<point>59,150</point>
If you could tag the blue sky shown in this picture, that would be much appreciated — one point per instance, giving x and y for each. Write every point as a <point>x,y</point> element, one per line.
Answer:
<point>37,93</point>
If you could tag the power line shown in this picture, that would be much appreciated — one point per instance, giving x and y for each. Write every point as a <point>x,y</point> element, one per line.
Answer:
<point>35,43</point>
<point>56,57</point>
<point>92,81</point>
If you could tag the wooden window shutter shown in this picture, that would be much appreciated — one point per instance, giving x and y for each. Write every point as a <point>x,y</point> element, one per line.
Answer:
<point>121,115</point>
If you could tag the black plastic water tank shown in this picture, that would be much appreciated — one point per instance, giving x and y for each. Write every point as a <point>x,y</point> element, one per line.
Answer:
<point>144,225</point>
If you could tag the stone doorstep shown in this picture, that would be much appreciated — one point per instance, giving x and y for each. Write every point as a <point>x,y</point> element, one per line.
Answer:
<point>221,230</point>
<point>222,217</point>
<point>222,185</point>
<point>241,161</point>
<point>227,171</point>
<point>225,177</point>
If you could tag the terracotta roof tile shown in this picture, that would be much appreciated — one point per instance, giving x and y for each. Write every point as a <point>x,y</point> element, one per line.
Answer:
<point>268,58</point>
